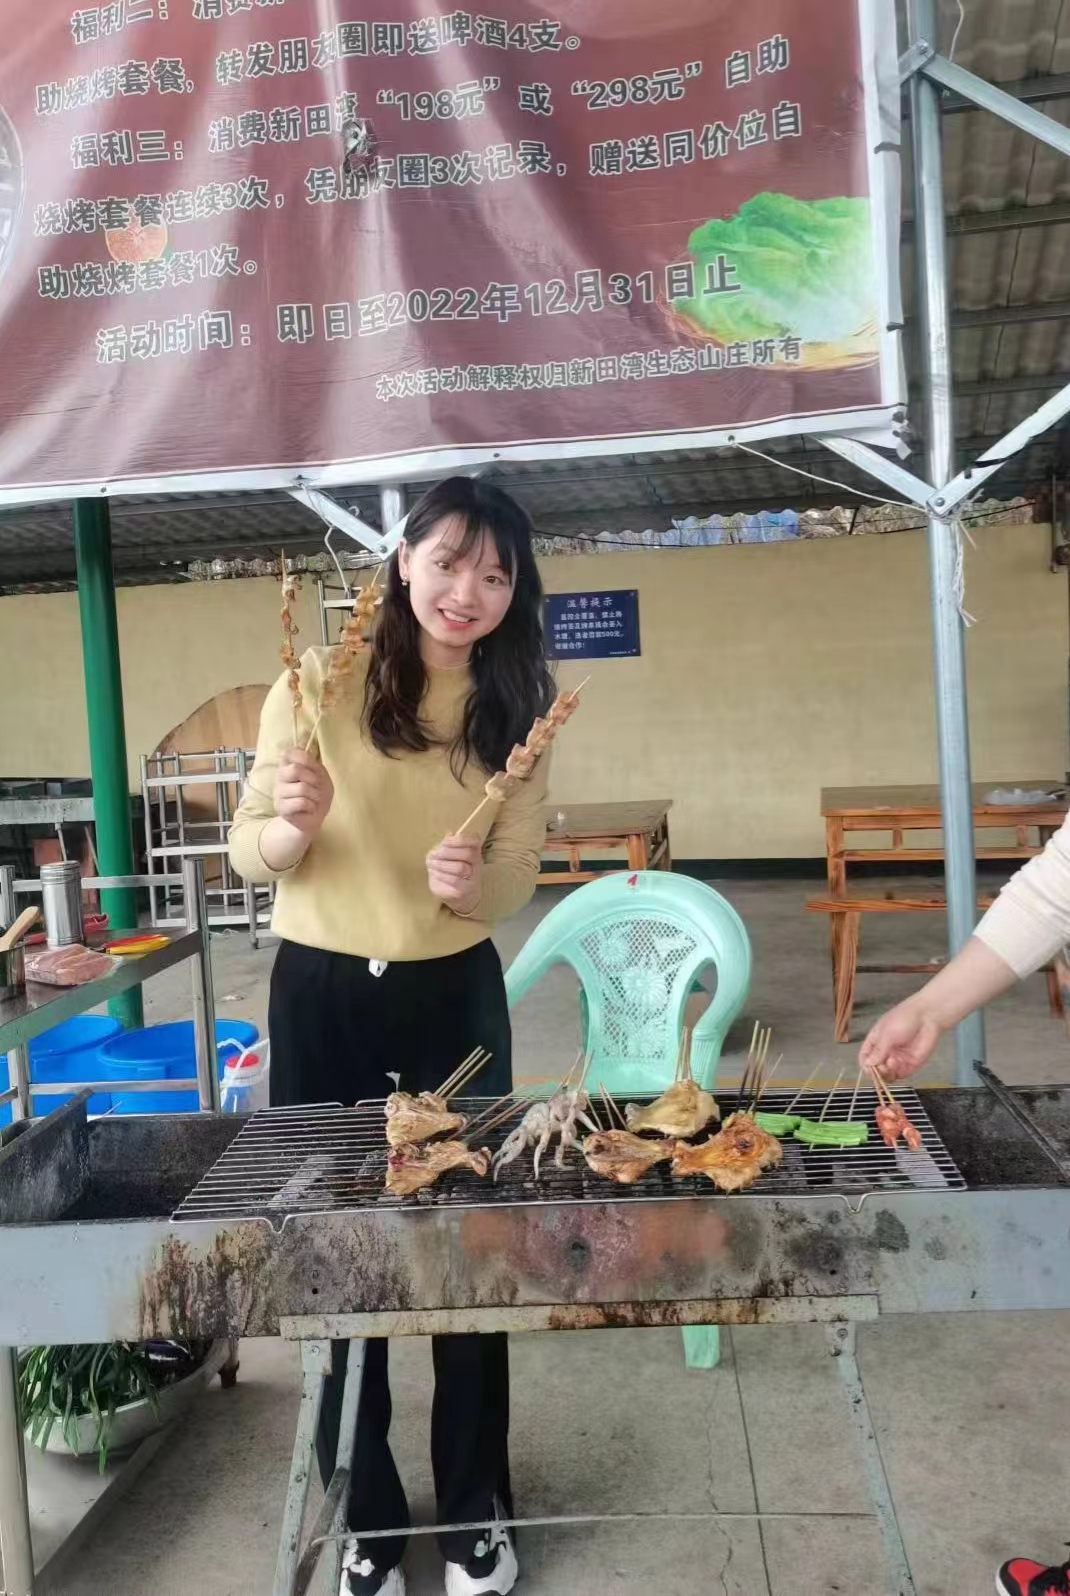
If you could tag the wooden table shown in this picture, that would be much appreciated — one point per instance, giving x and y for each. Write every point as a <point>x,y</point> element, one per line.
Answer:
<point>640,830</point>
<point>890,814</point>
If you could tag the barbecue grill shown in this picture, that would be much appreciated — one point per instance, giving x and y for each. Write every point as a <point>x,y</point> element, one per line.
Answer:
<point>278,1224</point>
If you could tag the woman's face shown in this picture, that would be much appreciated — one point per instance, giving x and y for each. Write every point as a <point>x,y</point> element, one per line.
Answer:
<point>457,598</point>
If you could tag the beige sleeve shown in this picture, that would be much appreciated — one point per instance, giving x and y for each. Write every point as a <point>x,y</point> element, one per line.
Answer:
<point>1030,920</point>
<point>513,849</point>
<point>257,805</point>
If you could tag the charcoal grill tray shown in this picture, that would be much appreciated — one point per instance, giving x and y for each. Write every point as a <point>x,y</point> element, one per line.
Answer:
<point>328,1159</point>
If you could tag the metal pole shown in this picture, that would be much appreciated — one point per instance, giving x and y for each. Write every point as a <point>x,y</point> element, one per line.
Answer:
<point>203,991</point>
<point>16,1547</point>
<point>8,911</point>
<point>391,506</point>
<point>107,731</point>
<point>321,599</point>
<point>840,1340</point>
<point>949,654</point>
<point>19,1060</point>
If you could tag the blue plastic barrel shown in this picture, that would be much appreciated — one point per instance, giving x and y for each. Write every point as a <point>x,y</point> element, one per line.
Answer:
<point>70,1051</point>
<point>165,1052</point>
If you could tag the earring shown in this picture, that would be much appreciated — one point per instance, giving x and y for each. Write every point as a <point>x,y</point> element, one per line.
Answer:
<point>404,581</point>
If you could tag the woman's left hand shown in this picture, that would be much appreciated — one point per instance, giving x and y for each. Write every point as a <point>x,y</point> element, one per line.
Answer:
<point>454,869</point>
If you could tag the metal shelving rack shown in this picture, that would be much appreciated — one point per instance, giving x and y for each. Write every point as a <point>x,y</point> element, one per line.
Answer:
<point>334,599</point>
<point>40,1008</point>
<point>173,835</point>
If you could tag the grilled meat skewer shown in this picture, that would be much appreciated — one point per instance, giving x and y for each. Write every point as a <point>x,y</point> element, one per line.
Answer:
<point>411,1168</point>
<point>623,1157</point>
<point>682,1111</point>
<point>734,1158</point>
<point>417,1119</point>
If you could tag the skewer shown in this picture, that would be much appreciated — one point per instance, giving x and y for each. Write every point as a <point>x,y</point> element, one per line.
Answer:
<point>759,1051</point>
<point>288,654</point>
<point>854,1095</point>
<point>613,1112</point>
<point>566,1084</point>
<point>883,1092</point>
<point>467,1078</point>
<point>459,1071</point>
<point>551,730</point>
<point>829,1098</point>
<point>763,1084</point>
<point>364,606</point>
<point>802,1088</point>
<point>497,1114</point>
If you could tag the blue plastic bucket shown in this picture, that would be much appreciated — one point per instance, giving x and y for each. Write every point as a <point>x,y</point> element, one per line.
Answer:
<point>167,1052</point>
<point>70,1051</point>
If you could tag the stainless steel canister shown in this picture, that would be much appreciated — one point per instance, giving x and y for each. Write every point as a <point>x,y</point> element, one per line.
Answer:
<point>61,887</point>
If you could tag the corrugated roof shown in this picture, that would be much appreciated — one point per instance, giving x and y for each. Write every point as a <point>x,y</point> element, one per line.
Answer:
<point>1008,203</point>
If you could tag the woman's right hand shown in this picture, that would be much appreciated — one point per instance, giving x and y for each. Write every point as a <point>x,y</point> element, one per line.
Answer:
<point>901,1042</point>
<point>304,791</point>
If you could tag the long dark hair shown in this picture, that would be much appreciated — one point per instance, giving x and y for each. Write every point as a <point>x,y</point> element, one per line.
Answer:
<point>511,684</point>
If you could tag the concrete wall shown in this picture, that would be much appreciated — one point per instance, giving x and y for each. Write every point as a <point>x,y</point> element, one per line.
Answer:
<point>766,674</point>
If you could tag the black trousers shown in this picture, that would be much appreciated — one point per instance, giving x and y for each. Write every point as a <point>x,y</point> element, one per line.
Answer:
<point>336,1029</point>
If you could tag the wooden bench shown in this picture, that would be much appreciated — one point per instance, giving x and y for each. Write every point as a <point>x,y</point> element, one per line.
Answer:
<point>846,923</point>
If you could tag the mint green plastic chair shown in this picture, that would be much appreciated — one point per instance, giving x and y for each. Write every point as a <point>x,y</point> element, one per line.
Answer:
<point>638,944</point>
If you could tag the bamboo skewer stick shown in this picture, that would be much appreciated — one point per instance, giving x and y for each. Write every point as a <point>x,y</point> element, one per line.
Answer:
<point>612,1110</point>
<point>763,1084</point>
<point>351,643</point>
<point>503,782</point>
<point>459,1071</point>
<point>287,653</point>
<point>467,1078</point>
<point>498,1113</point>
<point>759,1051</point>
<point>829,1098</point>
<point>854,1095</point>
<point>802,1088</point>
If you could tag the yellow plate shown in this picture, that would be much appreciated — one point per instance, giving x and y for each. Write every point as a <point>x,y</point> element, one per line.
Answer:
<point>131,949</point>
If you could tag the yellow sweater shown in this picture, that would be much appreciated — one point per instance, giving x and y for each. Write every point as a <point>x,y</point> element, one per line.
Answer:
<point>362,886</point>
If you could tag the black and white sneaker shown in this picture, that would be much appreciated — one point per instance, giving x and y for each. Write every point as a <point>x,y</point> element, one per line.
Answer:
<point>490,1571</point>
<point>360,1578</point>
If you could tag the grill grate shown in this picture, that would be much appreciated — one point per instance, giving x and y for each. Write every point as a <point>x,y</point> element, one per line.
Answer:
<point>327,1158</point>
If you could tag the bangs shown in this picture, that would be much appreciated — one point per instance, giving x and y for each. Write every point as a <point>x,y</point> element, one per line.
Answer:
<point>468,529</point>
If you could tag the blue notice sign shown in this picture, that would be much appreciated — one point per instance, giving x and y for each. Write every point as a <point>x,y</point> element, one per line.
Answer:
<point>592,625</point>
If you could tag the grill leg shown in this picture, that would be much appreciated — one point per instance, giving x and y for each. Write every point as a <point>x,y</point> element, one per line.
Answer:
<point>347,1440</point>
<point>841,1342</point>
<point>315,1366</point>
<point>16,1548</point>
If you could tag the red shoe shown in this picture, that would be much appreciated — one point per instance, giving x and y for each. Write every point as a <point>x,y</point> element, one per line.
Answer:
<point>1022,1577</point>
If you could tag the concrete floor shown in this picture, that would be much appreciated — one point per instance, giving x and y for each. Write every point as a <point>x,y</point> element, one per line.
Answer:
<point>972,1412</point>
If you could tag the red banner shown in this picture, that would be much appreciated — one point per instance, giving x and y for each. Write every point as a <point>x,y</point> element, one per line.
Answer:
<point>243,241</point>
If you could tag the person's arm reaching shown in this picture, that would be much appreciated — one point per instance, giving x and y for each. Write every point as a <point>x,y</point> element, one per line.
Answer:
<point>903,1040</point>
<point>1028,923</point>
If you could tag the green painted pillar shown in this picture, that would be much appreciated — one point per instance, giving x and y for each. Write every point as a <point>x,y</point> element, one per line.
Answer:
<point>107,730</point>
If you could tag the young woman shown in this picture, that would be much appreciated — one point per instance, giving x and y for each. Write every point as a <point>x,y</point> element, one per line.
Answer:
<point>1028,923</point>
<point>385,914</point>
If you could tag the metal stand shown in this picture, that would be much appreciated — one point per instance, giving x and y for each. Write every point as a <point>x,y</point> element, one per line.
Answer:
<point>841,1343</point>
<point>294,1569</point>
<point>16,1548</point>
<point>173,834</point>
<point>107,729</point>
<point>949,656</point>
<point>203,990</point>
